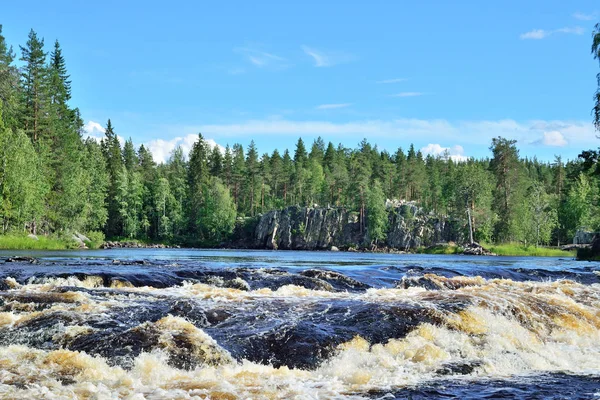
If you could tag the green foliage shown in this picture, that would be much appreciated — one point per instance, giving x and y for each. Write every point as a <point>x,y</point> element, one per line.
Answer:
<point>377,216</point>
<point>596,54</point>
<point>22,242</point>
<point>96,239</point>
<point>218,214</point>
<point>517,249</point>
<point>440,249</point>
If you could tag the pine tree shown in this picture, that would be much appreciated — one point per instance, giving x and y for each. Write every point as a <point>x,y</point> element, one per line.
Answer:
<point>215,162</point>
<point>505,166</point>
<point>238,173</point>
<point>34,78</point>
<point>111,148</point>
<point>252,175</point>
<point>9,79</point>
<point>130,158</point>
<point>198,178</point>
<point>596,54</point>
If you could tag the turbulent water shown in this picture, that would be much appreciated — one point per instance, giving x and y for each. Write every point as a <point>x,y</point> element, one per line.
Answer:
<point>183,324</point>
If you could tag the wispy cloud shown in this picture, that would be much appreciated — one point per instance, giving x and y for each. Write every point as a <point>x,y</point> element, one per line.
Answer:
<point>333,106</point>
<point>260,58</point>
<point>475,133</point>
<point>327,58</point>
<point>407,94</point>
<point>538,34</point>
<point>585,17</point>
<point>394,80</point>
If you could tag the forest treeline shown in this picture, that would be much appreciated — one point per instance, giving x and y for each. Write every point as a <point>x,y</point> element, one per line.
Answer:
<point>53,181</point>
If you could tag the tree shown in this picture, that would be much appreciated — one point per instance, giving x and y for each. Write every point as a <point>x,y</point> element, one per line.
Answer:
<point>238,172</point>
<point>473,195</point>
<point>9,78</point>
<point>505,166</point>
<point>252,175</point>
<point>22,187</point>
<point>198,178</point>
<point>541,216</point>
<point>130,159</point>
<point>579,210</point>
<point>111,148</point>
<point>596,54</point>
<point>377,216</point>
<point>34,77</point>
<point>176,172</point>
<point>95,183</point>
<point>218,213</point>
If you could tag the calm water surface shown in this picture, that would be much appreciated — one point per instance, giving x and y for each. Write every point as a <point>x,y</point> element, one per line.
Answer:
<point>225,324</point>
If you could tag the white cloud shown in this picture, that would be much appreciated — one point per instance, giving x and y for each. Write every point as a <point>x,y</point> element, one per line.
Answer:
<point>538,34</point>
<point>394,80</point>
<point>326,59</point>
<point>578,134</point>
<point>260,58</point>
<point>585,17</point>
<point>456,152</point>
<point>552,138</point>
<point>333,106</point>
<point>535,34</point>
<point>161,149</point>
<point>576,30</point>
<point>96,131</point>
<point>407,94</point>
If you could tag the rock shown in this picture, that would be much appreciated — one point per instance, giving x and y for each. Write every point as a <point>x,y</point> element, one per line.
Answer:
<point>334,248</point>
<point>79,242</point>
<point>326,228</point>
<point>475,249</point>
<point>590,253</point>
<point>22,259</point>
<point>82,237</point>
<point>33,237</point>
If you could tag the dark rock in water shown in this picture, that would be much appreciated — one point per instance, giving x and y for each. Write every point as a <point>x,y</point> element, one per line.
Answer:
<point>310,338</point>
<point>459,368</point>
<point>337,280</point>
<point>22,259</point>
<point>475,249</point>
<point>590,253</point>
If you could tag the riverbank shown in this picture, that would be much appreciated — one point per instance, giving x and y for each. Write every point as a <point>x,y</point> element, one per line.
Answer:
<point>506,249</point>
<point>19,242</point>
<point>22,242</point>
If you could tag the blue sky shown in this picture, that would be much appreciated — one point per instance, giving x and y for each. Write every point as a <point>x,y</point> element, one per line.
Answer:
<point>438,74</point>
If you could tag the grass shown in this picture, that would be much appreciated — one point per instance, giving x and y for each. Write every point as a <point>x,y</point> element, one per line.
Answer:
<point>21,242</point>
<point>440,249</point>
<point>505,249</point>
<point>518,249</point>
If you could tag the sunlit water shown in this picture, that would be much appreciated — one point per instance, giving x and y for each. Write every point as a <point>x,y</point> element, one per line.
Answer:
<point>192,324</point>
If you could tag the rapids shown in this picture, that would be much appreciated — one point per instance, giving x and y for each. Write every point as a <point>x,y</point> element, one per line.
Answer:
<point>196,324</point>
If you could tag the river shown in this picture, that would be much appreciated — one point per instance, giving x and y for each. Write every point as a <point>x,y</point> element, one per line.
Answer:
<point>228,324</point>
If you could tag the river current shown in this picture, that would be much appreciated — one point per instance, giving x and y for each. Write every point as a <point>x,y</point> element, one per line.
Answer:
<point>226,324</point>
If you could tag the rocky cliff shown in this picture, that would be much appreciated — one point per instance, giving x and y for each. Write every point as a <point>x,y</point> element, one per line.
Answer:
<point>302,228</point>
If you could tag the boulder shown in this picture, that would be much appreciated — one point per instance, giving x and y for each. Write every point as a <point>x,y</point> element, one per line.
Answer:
<point>475,249</point>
